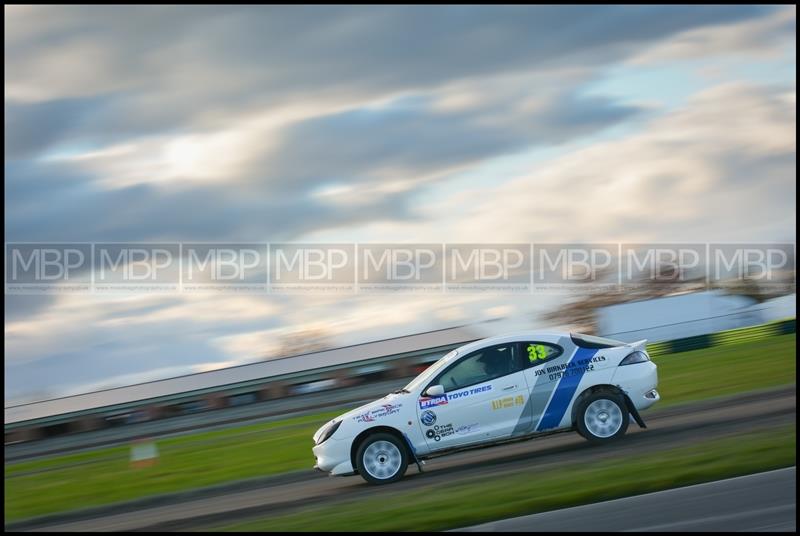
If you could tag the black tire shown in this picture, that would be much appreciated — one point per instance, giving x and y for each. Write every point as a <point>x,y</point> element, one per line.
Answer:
<point>579,432</point>
<point>609,396</point>
<point>361,465</point>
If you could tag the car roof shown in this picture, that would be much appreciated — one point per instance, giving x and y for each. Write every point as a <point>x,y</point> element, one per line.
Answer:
<point>543,336</point>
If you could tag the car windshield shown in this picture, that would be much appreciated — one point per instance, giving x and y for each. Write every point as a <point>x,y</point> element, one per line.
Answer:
<point>428,372</point>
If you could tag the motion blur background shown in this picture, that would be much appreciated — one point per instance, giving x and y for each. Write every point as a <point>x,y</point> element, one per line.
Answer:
<point>456,124</point>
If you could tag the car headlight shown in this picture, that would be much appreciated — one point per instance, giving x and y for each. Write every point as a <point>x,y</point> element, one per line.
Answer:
<point>329,431</point>
<point>635,357</point>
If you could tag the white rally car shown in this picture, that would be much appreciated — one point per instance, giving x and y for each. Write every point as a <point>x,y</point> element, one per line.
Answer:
<point>490,391</point>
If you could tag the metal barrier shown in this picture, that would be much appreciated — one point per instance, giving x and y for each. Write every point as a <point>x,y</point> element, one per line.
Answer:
<point>732,336</point>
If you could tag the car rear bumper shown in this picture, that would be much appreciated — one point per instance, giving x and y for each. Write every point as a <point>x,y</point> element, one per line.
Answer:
<point>639,381</point>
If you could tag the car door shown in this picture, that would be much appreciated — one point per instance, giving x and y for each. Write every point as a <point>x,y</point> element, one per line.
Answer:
<point>485,393</point>
<point>547,362</point>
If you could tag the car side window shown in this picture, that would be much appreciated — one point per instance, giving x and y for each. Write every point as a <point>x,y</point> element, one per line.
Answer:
<point>481,366</point>
<point>537,352</point>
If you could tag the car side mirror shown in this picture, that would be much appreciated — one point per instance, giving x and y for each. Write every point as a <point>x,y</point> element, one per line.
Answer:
<point>435,390</point>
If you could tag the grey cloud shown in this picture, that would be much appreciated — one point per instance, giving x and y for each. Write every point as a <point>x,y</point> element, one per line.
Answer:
<point>53,202</point>
<point>102,363</point>
<point>114,352</point>
<point>393,46</point>
<point>87,122</point>
<point>353,147</point>
<point>19,307</point>
<point>32,128</point>
<point>49,204</point>
<point>175,64</point>
<point>170,66</point>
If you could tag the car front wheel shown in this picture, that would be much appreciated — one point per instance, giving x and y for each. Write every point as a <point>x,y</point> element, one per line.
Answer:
<point>381,459</point>
<point>602,416</point>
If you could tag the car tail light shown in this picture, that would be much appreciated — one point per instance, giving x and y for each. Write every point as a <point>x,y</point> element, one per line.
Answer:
<point>635,357</point>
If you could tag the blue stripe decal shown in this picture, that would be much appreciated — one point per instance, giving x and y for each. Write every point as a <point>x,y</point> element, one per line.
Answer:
<point>567,386</point>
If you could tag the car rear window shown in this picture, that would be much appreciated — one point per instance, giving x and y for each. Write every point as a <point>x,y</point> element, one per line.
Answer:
<point>590,341</point>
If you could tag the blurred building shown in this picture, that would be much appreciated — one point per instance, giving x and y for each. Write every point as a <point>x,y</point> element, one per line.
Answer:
<point>688,315</point>
<point>275,386</point>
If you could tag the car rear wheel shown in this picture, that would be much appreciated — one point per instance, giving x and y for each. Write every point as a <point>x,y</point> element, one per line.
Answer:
<point>602,416</point>
<point>382,458</point>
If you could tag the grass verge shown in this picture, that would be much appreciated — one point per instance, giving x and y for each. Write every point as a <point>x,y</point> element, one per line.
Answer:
<point>184,463</point>
<point>479,500</point>
<point>726,370</point>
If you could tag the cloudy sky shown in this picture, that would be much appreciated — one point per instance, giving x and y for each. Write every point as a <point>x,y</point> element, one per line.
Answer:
<point>371,124</point>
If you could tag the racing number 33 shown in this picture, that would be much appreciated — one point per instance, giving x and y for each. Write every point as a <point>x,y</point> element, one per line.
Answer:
<point>537,352</point>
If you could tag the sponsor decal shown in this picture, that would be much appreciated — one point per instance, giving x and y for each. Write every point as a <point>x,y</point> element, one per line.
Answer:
<point>439,431</point>
<point>576,367</point>
<point>428,418</point>
<point>508,402</point>
<point>468,429</point>
<point>469,392</point>
<point>378,413</point>
<point>426,402</point>
<point>432,401</point>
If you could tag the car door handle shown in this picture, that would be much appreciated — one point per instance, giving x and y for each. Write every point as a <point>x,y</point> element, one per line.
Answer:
<point>509,387</point>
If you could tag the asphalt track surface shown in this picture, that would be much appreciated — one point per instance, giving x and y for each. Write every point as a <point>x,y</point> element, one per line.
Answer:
<point>667,429</point>
<point>764,502</point>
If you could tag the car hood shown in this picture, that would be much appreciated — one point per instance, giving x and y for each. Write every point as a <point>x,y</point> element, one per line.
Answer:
<point>376,411</point>
<point>391,398</point>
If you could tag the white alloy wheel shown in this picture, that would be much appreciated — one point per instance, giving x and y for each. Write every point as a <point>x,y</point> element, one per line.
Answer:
<point>603,418</point>
<point>382,460</point>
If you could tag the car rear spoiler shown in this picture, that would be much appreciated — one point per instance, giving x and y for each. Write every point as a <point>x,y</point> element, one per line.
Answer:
<point>639,345</point>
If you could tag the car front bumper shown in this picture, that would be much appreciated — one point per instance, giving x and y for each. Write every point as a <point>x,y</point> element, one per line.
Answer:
<point>333,456</point>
